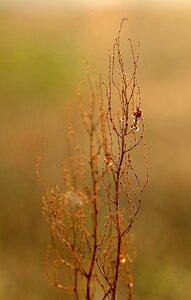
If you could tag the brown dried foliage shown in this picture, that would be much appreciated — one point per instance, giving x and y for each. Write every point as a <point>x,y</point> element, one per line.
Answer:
<point>90,251</point>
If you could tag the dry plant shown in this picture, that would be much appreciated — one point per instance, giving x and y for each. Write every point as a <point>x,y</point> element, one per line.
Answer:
<point>90,252</point>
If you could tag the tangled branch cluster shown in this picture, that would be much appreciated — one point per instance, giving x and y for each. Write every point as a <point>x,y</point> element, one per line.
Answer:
<point>90,250</point>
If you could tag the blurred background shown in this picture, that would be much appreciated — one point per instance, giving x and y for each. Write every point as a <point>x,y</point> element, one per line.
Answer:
<point>41,50</point>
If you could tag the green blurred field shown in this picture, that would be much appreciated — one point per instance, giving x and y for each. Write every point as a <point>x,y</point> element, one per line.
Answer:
<point>40,65</point>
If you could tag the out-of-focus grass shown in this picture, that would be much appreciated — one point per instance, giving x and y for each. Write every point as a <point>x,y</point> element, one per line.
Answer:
<point>35,60</point>
<point>40,65</point>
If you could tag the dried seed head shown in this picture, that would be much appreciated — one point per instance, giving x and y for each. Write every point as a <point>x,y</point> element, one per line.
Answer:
<point>122,259</point>
<point>108,160</point>
<point>130,284</point>
<point>122,119</point>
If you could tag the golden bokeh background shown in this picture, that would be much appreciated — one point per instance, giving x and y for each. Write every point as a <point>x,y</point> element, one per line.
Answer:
<point>41,50</point>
